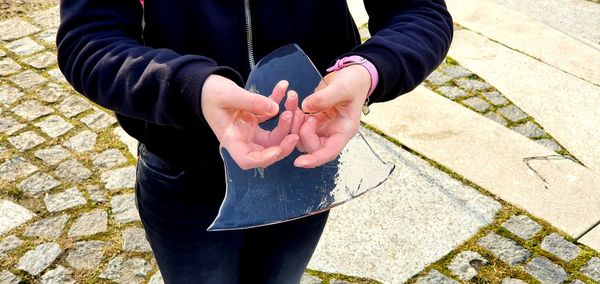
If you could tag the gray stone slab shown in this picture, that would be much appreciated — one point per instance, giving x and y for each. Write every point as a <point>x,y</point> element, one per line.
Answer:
<point>338,281</point>
<point>560,247</point>
<point>8,125</point>
<point>96,195</point>
<point>67,199</point>
<point>52,155</point>
<point>126,271</point>
<point>38,183</point>
<point>72,170</point>
<point>99,120</point>
<point>512,281</point>
<point>438,78</point>
<point>25,46</point>
<point>456,71</point>
<point>6,277</point>
<point>82,142</point>
<point>522,226</point>
<point>90,223</point>
<point>16,28</point>
<point>309,279</point>
<point>86,254</point>
<point>435,277</point>
<point>8,66</point>
<point>41,60</point>
<point>48,18</point>
<point>108,159</point>
<point>38,259</point>
<point>48,36</point>
<point>15,168</point>
<point>51,93</point>
<point>577,281</point>
<point>50,227</point>
<point>134,240</point>
<point>472,85</point>
<point>528,129</point>
<point>375,238</point>
<point>2,53</point>
<point>505,249</point>
<point>550,144</point>
<point>57,75</point>
<point>73,105</point>
<point>546,271</point>
<point>119,178</point>
<point>26,140</point>
<point>9,95</point>
<point>592,269</point>
<point>27,79</point>
<point>466,264</point>
<point>31,110</point>
<point>54,126</point>
<point>452,92</point>
<point>59,275</point>
<point>123,208</point>
<point>496,118</point>
<point>495,98</point>
<point>477,104</point>
<point>513,113</point>
<point>127,140</point>
<point>8,244</point>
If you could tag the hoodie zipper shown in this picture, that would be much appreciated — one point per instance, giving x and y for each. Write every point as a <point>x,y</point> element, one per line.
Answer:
<point>249,34</point>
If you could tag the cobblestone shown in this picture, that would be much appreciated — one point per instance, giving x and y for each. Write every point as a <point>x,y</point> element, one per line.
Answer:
<point>38,183</point>
<point>26,140</point>
<point>9,95</point>
<point>27,79</point>
<point>50,227</point>
<point>48,36</point>
<point>6,277</point>
<point>309,279</point>
<point>72,170</point>
<point>512,113</point>
<point>338,281</point>
<point>96,194</point>
<point>560,247</point>
<point>31,110</point>
<point>123,208</point>
<point>98,120</point>
<point>54,126</point>
<point>8,66</point>
<point>496,118</point>
<point>472,85</point>
<point>8,244</point>
<point>522,226</point>
<point>528,129</point>
<point>16,28</point>
<point>438,78</point>
<point>52,155</point>
<point>73,105</point>
<point>59,275</point>
<point>134,240</point>
<point>550,144</point>
<point>24,46</point>
<point>86,254</point>
<point>41,61</point>
<point>592,269</point>
<point>9,126</point>
<point>128,271</point>
<point>90,223</point>
<point>456,71</point>
<point>465,265</point>
<point>12,215</point>
<point>52,92</point>
<point>39,258</point>
<point>495,98</point>
<point>15,168</point>
<point>109,159</point>
<point>57,76</point>
<point>435,277</point>
<point>546,271</point>
<point>452,92</point>
<point>82,142</point>
<point>119,178</point>
<point>477,104</point>
<point>577,281</point>
<point>505,249</point>
<point>2,53</point>
<point>67,199</point>
<point>512,281</point>
<point>48,18</point>
<point>157,279</point>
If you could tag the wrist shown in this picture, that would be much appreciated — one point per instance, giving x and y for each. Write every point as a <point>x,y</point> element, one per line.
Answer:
<point>358,60</point>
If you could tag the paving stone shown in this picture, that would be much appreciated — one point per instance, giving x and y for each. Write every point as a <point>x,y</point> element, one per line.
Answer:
<point>48,18</point>
<point>52,155</point>
<point>127,140</point>
<point>57,75</point>
<point>472,85</point>
<point>16,28</point>
<point>496,118</point>
<point>73,105</point>
<point>134,239</point>
<point>9,95</point>
<point>465,265</point>
<point>477,104</point>
<point>48,36</point>
<point>119,178</point>
<point>109,159</point>
<point>82,142</point>
<point>546,271</point>
<point>8,244</point>
<point>72,170</point>
<point>550,144</point>
<point>41,60</point>
<point>2,53</point>
<point>528,129</point>
<point>52,92</point>
<point>31,110</point>
<point>577,281</point>
<point>96,194</point>
<point>8,66</point>
<point>505,249</point>
<point>27,79</point>
<point>438,78</point>
<point>560,247</point>
<point>86,254</point>
<point>128,271</point>
<point>64,200</point>
<point>54,126</point>
<point>36,260</point>
<point>123,208</point>
<point>435,277</point>
<point>513,113</point>
<point>26,140</point>
<point>59,275</point>
<point>25,46</point>
<point>452,92</point>
<point>495,98</point>
<point>90,223</point>
<point>157,279</point>
<point>592,269</point>
<point>512,281</point>
<point>38,183</point>
<point>522,226</point>
<point>338,281</point>
<point>15,168</point>
<point>310,279</point>
<point>99,120</point>
<point>456,71</point>
<point>50,227</point>
<point>9,126</point>
<point>6,277</point>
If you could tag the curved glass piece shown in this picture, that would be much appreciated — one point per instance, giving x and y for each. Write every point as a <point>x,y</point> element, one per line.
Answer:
<point>282,192</point>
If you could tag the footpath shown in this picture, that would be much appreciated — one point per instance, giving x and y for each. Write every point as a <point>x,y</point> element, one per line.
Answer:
<point>497,174</point>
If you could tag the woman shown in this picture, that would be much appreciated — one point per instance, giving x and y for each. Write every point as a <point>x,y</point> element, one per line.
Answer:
<point>172,72</point>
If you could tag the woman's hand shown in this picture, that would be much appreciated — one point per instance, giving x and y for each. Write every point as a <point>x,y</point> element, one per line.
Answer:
<point>233,115</point>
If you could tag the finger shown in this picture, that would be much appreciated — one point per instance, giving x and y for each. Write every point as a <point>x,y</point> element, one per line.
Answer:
<point>247,158</point>
<point>308,135</point>
<point>325,98</point>
<point>250,102</point>
<point>274,137</point>
<point>287,145</point>
<point>279,91</point>
<point>297,121</point>
<point>291,102</point>
<point>332,147</point>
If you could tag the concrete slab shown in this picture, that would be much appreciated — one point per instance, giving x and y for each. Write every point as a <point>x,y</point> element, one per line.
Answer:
<point>357,9</point>
<point>566,106</point>
<point>531,37</point>
<point>494,157</point>
<point>592,238</point>
<point>393,232</point>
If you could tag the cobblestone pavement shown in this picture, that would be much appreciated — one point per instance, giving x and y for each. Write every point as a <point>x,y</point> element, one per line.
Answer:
<point>67,212</point>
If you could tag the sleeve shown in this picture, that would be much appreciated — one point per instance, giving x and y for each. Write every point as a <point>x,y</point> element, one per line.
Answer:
<point>410,39</point>
<point>101,54</point>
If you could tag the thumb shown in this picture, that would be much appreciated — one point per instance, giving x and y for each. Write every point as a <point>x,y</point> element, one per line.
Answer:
<point>323,99</point>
